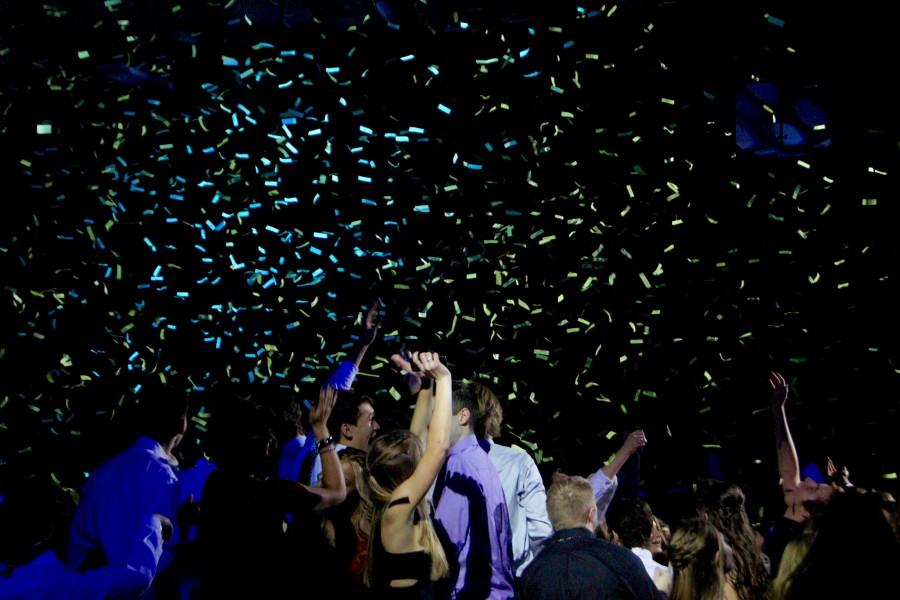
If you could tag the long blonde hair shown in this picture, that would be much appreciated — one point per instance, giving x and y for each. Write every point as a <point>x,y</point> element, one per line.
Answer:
<point>696,553</point>
<point>391,460</point>
<point>793,555</point>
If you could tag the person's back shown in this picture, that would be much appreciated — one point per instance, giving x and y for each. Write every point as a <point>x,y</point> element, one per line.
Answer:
<point>574,564</point>
<point>120,498</point>
<point>523,488</point>
<point>471,517</point>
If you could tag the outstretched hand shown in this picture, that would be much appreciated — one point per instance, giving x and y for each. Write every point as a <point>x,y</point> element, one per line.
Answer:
<point>839,477</point>
<point>779,386</point>
<point>430,364</point>
<point>318,417</point>
<point>635,440</point>
<point>415,379</point>
<point>371,325</point>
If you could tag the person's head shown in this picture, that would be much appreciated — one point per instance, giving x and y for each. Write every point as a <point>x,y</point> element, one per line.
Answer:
<point>243,434</point>
<point>392,459</point>
<point>634,523</point>
<point>723,504</point>
<point>571,504</point>
<point>353,420</point>
<point>813,495</point>
<point>490,413</point>
<point>696,554</point>
<point>465,411</point>
<point>162,411</point>
<point>34,517</point>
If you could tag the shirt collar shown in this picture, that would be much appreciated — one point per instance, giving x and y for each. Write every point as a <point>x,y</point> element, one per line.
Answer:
<point>469,441</point>
<point>154,448</point>
<point>574,532</point>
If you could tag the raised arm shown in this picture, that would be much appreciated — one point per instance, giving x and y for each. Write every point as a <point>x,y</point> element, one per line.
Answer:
<point>420,385</point>
<point>438,444</point>
<point>334,489</point>
<point>345,374</point>
<point>368,334</point>
<point>636,439</point>
<point>788,464</point>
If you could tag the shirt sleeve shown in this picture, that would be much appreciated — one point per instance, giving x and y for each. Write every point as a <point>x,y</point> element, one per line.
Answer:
<point>344,376</point>
<point>604,490</point>
<point>533,499</point>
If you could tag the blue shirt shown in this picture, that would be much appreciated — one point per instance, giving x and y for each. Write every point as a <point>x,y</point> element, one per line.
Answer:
<point>472,522</point>
<point>526,501</point>
<point>117,516</point>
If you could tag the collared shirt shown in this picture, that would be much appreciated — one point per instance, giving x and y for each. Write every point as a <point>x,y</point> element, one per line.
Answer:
<point>526,501</point>
<point>657,572</point>
<point>473,524</point>
<point>604,490</point>
<point>115,523</point>
<point>576,565</point>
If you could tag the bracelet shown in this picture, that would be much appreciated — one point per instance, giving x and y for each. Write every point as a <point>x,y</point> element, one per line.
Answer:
<point>324,443</point>
<point>328,448</point>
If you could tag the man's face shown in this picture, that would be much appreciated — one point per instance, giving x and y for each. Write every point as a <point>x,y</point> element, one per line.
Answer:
<point>810,491</point>
<point>366,427</point>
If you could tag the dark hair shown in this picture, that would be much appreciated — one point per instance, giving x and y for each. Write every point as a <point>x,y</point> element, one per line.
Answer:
<point>695,554</point>
<point>161,409</point>
<point>490,413</point>
<point>241,431</point>
<point>723,505</point>
<point>632,520</point>
<point>346,411</point>
<point>465,395</point>
<point>854,554</point>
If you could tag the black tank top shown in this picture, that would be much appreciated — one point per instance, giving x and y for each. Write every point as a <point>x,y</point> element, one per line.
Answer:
<point>387,567</point>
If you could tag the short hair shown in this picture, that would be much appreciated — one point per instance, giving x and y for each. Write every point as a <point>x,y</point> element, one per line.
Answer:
<point>465,396</point>
<point>632,519</point>
<point>490,413</point>
<point>346,410</point>
<point>161,409</point>
<point>569,501</point>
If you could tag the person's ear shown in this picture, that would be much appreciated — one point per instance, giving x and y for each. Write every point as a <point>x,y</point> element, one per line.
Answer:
<point>465,415</point>
<point>347,430</point>
<point>592,516</point>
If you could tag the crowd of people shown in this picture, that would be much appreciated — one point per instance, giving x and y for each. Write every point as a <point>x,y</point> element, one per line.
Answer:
<point>322,503</point>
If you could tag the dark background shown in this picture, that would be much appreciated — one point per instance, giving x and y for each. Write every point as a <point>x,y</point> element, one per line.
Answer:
<point>538,144</point>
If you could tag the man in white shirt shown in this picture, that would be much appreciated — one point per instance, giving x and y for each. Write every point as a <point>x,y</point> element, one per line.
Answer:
<point>526,498</point>
<point>128,499</point>
<point>638,529</point>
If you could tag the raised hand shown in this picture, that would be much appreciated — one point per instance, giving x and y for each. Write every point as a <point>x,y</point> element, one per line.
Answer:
<point>415,380</point>
<point>318,417</point>
<point>371,325</point>
<point>430,364</point>
<point>779,386</point>
<point>635,440</point>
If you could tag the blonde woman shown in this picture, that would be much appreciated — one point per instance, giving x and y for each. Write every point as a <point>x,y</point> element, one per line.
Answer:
<point>697,553</point>
<point>405,555</point>
<point>794,553</point>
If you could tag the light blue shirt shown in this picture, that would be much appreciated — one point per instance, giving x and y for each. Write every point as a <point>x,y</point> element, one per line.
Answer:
<point>117,513</point>
<point>604,490</point>
<point>526,501</point>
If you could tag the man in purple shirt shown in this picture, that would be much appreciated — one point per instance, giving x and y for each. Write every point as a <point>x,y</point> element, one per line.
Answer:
<point>471,517</point>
